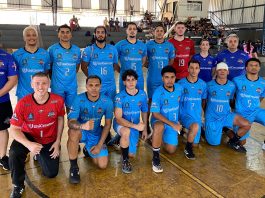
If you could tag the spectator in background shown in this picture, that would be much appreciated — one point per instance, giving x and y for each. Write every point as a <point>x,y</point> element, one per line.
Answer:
<point>250,49</point>
<point>117,27</point>
<point>111,24</point>
<point>106,23</point>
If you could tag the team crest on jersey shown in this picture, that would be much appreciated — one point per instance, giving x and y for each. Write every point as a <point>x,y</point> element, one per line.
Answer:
<point>165,101</point>
<point>127,51</point>
<point>228,93</point>
<point>59,56</point>
<point>140,51</point>
<point>51,114</point>
<point>166,51</point>
<point>210,62</point>
<point>187,48</point>
<point>100,110</point>
<point>139,104</point>
<point>199,91</point>
<point>240,61</point>
<point>41,62</point>
<point>31,116</point>
<point>244,88</point>
<point>258,90</point>
<point>126,105</point>
<point>118,99</point>
<point>85,111</point>
<point>110,55</point>
<point>14,116</point>
<point>95,55</point>
<point>75,56</point>
<point>214,93</point>
<point>186,91</point>
<point>24,62</point>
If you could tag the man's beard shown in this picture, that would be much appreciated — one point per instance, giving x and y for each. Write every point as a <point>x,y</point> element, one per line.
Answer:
<point>132,36</point>
<point>101,40</point>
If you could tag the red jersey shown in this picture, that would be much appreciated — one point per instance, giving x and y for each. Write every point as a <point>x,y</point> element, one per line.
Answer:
<point>184,50</point>
<point>39,120</point>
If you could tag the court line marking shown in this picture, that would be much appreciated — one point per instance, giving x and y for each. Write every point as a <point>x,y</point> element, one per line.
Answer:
<point>197,180</point>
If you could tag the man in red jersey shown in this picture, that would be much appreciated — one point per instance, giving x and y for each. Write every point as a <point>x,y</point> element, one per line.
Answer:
<point>37,127</point>
<point>184,49</point>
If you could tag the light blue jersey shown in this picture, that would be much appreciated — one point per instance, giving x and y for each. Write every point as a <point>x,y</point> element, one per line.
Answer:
<point>100,62</point>
<point>248,94</point>
<point>159,55</point>
<point>206,66</point>
<point>28,64</point>
<point>235,61</point>
<point>130,55</point>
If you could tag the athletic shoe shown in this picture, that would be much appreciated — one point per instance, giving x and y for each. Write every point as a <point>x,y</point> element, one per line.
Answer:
<point>189,154</point>
<point>17,192</point>
<point>126,166</point>
<point>263,146</point>
<point>4,163</point>
<point>237,147</point>
<point>156,166</point>
<point>74,177</point>
<point>85,152</point>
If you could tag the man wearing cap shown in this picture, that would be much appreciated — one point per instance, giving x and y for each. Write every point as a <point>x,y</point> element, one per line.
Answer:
<point>220,94</point>
<point>233,57</point>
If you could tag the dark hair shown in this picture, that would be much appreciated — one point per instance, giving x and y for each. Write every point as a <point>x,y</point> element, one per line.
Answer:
<point>93,77</point>
<point>180,23</point>
<point>64,26</point>
<point>160,25</point>
<point>131,23</point>
<point>194,61</point>
<point>204,40</point>
<point>169,69</point>
<point>129,72</point>
<point>41,74</point>
<point>100,26</point>
<point>252,59</point>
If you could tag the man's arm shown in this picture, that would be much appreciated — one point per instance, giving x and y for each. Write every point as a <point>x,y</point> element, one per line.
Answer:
<point>60,128</point>
<point>12,81</point>
<point>171,61</point>
<point>144,61</point>
<point>73,124</point>
<point>144,118</point>
<point>77,67</point>
<point>160,117</point>
<point>117,67</point>
<point>84,68</point>
<point>105,132</point>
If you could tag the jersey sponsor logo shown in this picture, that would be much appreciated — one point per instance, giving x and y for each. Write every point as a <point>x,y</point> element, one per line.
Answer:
<point>14,116</point>
<point>100,110</point>
<point>2,73</point>
<point>210,62</point>
<point>213,93</point>
<point>51,114</point>
<point>75,57</point>
<point>59,56</point>
<point>258,90</point>
<point>41,111</point>
<point>110,55</point>
<point>187,48</point>
<point>31,116</point>
<point>240,61</point>
<point>54,101</point>
<point>24,62</point>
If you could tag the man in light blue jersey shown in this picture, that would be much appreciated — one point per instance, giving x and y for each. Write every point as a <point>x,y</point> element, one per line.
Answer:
<point>165,116</point>
<point>233,57</point>
<point>65,61</point>
<point>101,59</point>
<point>130,103</point>
<point>30,60</point>
<point>220,94</point>
<point>207,62</point>
<point>132,55</point>
<point>249,93</point>
<point>8,79</point>
<point>84,121</point>
<point>191,104</point>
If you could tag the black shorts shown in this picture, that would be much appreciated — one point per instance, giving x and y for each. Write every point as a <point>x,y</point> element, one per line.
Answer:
<point>5,115</point>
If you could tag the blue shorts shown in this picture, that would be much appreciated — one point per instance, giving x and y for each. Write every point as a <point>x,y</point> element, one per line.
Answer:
<point>213,129</point>
<point>256,116</point>
<point>109,92</point>
<point>68,95</point>
<point>170,135</point>
<point>140,85</point>
<point>133,140</point>
<point>187,121</point>
<point>91,140</point>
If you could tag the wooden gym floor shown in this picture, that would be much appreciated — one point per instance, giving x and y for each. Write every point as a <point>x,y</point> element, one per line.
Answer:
<point>216,172</point>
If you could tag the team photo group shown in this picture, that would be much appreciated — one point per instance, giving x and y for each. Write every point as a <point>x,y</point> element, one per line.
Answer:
<point>193,95</point>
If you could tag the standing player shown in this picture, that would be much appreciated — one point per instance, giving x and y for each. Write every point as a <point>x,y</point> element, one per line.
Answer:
<point>129,104</point>
<point>132,55</point>
<point>30,60</point>
<point>37,127</point>
<point>65,61</point>
<point>233,57</point>
<point>192,102</point>
<point>207,62</point>
<point>165,111</point>
<point>220,94</point>
<point>84,121</point>
<point>184,49</point>
<point>249,93</point>
<point>8,79</point>
<point>100,59</point>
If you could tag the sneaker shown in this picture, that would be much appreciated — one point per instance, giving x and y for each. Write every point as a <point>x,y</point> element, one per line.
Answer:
<point>126,166</point>
<point>156,166</point>
<point>74,177</point>
<point>263,146</point>
<point>17,192</point>
<point>189,154</point>
<point>237,147</point>
<point>85,152</point>
<point>4,163</point>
